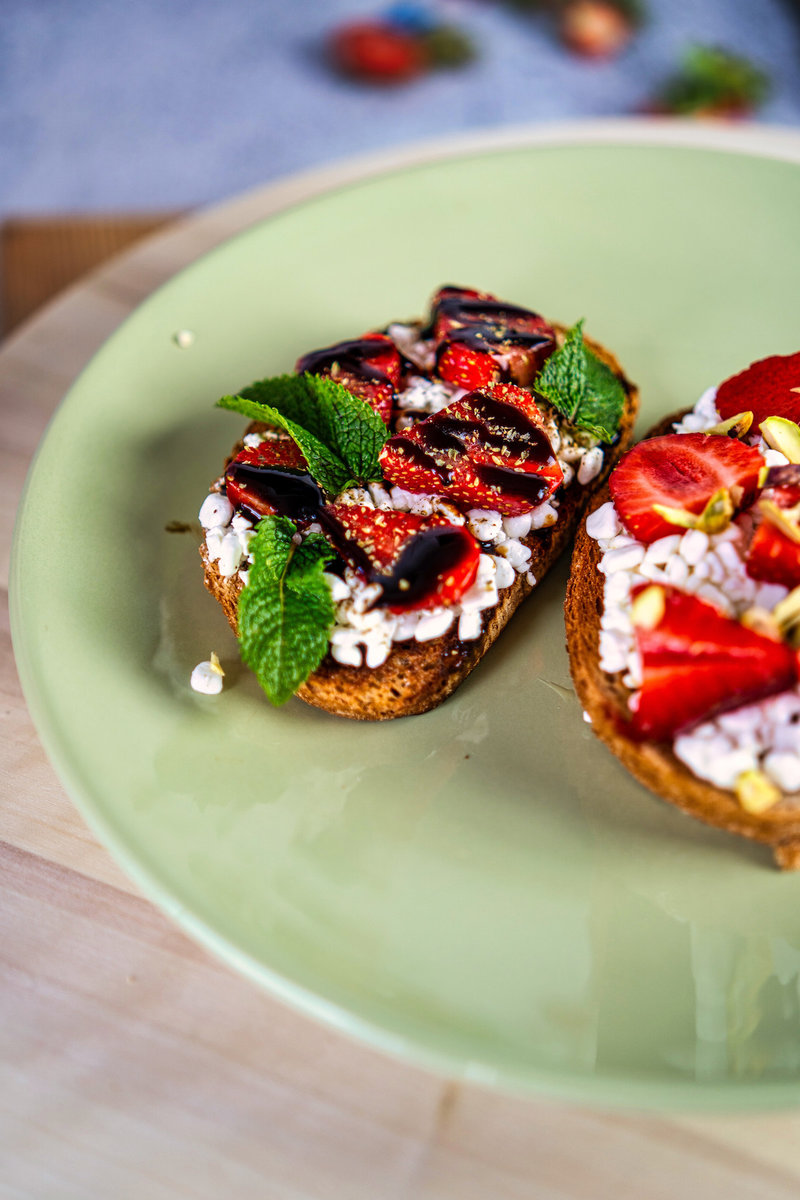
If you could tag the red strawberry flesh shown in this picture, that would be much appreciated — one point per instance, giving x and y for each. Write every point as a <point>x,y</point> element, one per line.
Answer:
<point>369,367</point>
<point>419,562</point>
<point>681,471</point>
<point>767,388</point>
<point>772,557</point>
<point>697,663</point>
<point>481,340</point>
<point>486,450</point>
<point>273,478</point>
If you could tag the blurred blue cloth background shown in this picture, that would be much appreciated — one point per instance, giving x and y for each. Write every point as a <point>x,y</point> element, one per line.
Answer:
<point>168,103</point>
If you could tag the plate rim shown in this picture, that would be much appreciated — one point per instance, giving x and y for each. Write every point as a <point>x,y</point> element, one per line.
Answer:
<point>610,1089</point>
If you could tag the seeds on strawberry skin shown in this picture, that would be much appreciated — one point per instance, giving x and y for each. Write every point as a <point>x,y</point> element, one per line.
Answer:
<point>769,387</point>
<point>419,562</point>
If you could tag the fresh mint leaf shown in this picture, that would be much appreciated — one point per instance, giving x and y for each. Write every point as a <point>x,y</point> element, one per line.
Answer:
<point>326,467</point>
<point>350,430</point>
<point>562,380</point>
<point>600,413</point>
<point>286,610</point>
<point>583,388</point>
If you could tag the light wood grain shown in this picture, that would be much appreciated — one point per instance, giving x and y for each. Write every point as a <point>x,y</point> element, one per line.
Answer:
<point>133,1065</point>
<point>42,255</point>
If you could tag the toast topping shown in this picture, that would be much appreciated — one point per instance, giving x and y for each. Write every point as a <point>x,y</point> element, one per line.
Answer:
<point>487,450</point>
<point>415,562</point>
<point>702,597</point>
<point>481,340</point>
<point>368,367</point>
<point>408,470</point>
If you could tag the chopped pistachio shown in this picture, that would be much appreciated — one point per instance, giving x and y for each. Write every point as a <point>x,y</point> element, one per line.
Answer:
<point>755,792</point>
<point>736,426</point>
<point>715,517</point>
<point>781,518</point>
<point>782,435</point>
<point>760,620</point>
<point>648,608</point>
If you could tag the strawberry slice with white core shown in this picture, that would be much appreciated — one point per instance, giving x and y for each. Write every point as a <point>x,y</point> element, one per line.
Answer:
<point>487,450</point>
<point>697,662</point>
<point>682,473</point>
<point>768,388</point>
<point>419,562</point>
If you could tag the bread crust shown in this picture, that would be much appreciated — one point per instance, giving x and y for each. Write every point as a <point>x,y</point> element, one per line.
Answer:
<point>605,700</point>
<point>418,676</point>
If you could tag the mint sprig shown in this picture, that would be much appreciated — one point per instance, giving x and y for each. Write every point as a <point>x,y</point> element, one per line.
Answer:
<point>340,435</point>
<point>286,611</point>
<point>583,388</point>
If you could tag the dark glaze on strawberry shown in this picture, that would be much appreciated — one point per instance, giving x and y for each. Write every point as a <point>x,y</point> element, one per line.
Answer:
<point>500,427</point>
<point>288,492</point>
<point>260,490</point>
<point>422,562</point>
<point>350,356</point>
<point>532,488</point>
<point>415,574</point>
<point>484,324</point>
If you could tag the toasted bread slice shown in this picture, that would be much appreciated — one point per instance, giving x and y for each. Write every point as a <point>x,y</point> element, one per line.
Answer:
<point>418,676</point>
<point>605,700</point>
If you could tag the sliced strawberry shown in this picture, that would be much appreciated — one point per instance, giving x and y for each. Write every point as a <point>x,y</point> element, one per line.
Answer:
<point>767,388</point>
<point>369,367</point>
<point>773,555</point>
<point>487,450</point>
<point>465,367</point>
<point>480,339</point>
<point>697,662</point>
<point>419,562</point>
<point>681,471</point>
<point>273,478</point>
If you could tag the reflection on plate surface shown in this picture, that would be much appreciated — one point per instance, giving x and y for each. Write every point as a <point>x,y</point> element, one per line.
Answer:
<point>482,887</point>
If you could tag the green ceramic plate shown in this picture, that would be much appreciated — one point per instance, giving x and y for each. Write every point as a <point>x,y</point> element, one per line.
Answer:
<point>482,888</point>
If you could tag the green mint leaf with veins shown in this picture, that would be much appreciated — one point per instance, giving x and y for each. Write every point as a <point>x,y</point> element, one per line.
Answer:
<point>286,611</point>
<point>328,469</point>
<point>345,426</point>
<point>583,388</point>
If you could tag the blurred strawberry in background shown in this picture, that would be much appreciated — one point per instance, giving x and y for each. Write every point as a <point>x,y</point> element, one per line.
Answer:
<point>398,44</point>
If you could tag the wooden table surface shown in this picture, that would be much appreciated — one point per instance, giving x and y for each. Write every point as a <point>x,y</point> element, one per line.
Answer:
<point>134,1065</point>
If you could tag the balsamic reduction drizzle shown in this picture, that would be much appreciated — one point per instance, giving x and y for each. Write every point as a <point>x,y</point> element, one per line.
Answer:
<point>500,426</point>
<point>293,493</point>
<point>486,325</point>
<point>350,356</point>
<point>288,491</point>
